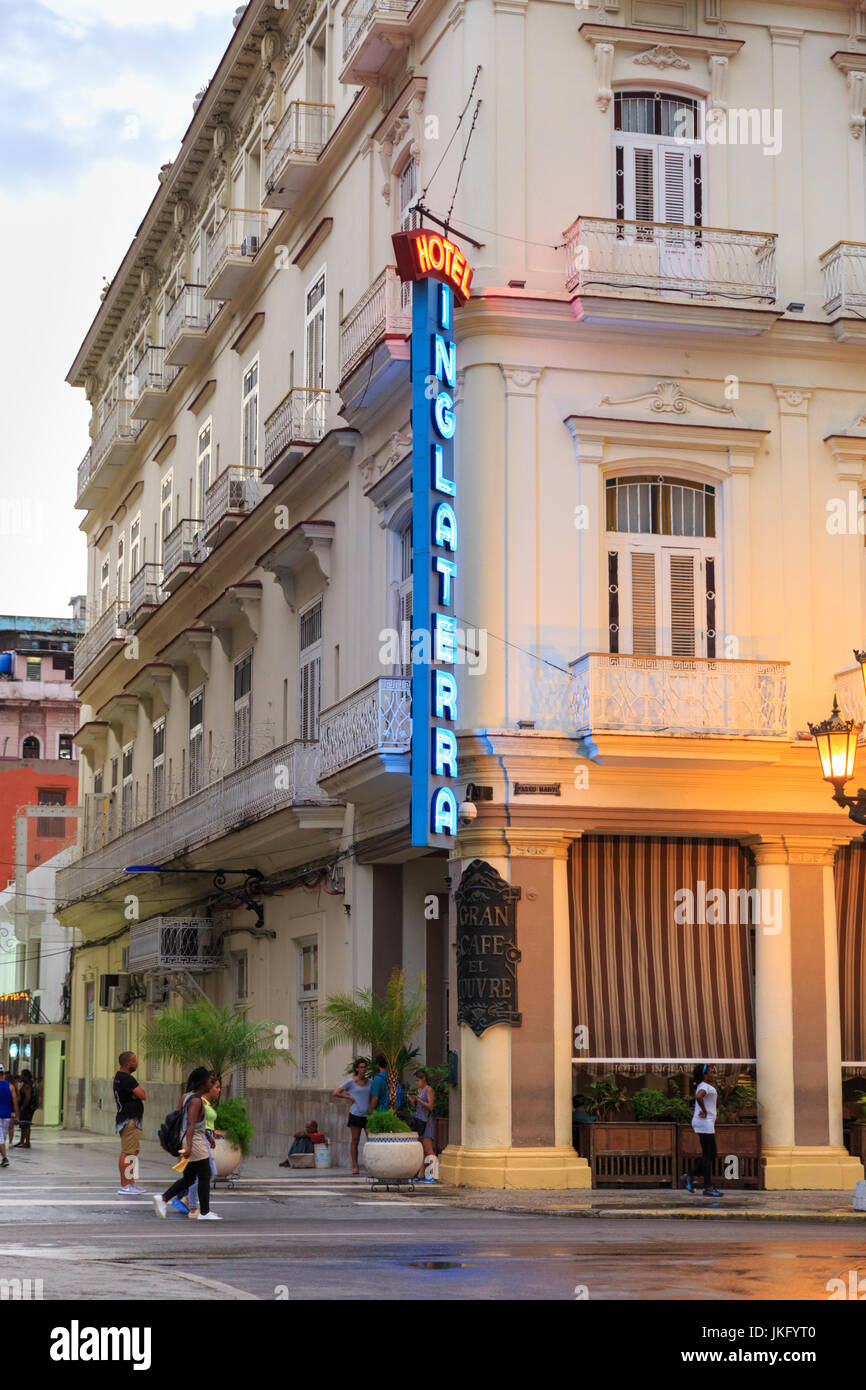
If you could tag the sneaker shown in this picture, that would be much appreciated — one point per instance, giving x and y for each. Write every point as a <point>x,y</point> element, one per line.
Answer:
<point>193,1214</point>
<point>159,1206</point>
<point>135,1191</point>
<point>4,1163</point>
<point>436,1180</point>
<point>712,1192</point>
<point>209,1216</point>
<point>179,1206</point>
<point>687,1182</point>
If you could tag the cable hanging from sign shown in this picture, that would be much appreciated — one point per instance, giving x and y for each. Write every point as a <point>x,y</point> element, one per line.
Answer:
<point>453,137</point>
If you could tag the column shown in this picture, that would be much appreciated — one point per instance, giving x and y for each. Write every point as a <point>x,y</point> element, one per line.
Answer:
<point>522,551</point>
<point>797,522</point>
<point>592,633</point>
<point>736,529</point>
<point>788,164</point>
<point>516,1082</point>
<point>797,1027</point>
<point>510,87</point>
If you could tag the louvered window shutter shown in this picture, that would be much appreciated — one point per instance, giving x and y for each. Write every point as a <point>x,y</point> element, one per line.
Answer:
<point>682,605</point>
<point>643,603</point>
<point>675,201</point>
<point>644,191</point>
<point>309,697</point>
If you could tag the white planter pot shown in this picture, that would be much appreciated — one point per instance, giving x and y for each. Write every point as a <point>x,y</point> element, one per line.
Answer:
<point>226,1156</point>
<point>393,1157</point>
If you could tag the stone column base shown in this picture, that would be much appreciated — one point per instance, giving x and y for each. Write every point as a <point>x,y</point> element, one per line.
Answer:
<point>822,1168</point>
<point>549,1167</point>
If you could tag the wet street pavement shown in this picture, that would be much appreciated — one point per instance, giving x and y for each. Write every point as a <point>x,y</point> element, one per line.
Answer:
<point>321,1236</point>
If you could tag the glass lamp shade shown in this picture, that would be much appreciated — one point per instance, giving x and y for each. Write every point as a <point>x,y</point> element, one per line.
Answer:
<point>836,741</point>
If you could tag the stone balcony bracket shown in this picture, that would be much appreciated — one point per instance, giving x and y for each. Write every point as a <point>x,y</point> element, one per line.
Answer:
<point>190,650</point>
<point>309,540</point>
<point>151,685</point>
<point>240,604</point>
<point>120,713</point>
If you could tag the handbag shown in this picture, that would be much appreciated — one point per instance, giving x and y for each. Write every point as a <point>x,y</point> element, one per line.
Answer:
<point>419,1126</point>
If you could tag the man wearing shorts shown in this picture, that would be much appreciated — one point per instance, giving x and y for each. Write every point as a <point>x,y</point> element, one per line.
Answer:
<point>129,1098</point>
<point>8,1110</point>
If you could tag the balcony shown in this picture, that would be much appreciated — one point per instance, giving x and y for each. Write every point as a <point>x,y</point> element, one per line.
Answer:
<point>365,740</point>
<point>102,640</point>
<point>673,264</point>
<point>229,499</point>
<point>844,271</point>
<point>153,376</point>
<point>850,694</point>
<point>293,151</point>
<point>283,779</point>
<point>114,442</point>
<point>145,595</point>
<point>186,323</point>
<point>667,695</point>
<point>162,945</point>
<point>85,469</point>
<point>232,250</point>
<point>378,316</point>
<point>297,423</point>
<point>182,550</point>
<point>373,33</point>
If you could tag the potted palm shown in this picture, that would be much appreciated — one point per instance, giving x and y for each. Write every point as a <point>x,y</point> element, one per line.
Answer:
<point>393,1152</point>
<point>224,1040</point>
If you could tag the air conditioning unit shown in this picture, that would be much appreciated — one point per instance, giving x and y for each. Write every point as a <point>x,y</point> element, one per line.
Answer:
<point>155,990</point>
<point>249,246</point>
<point>118,997</point>
<point>113,992</point>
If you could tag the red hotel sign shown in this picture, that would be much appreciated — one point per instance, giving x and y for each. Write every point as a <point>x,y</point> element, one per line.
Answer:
<point>425,255</point>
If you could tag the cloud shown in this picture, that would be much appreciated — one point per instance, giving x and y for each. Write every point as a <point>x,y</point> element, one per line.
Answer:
<point>142,14</point>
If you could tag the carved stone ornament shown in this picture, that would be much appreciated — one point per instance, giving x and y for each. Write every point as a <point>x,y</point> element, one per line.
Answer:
<point>91,386</point>
<point>164,172</point>
<point>182,213</point>
<point>603,55</point>
<point>148,280</point>
<point>661,56</point>
<point>375,466</point>
<point>856,103</point>
<point>222,138</point>
<point>270,48</point>
<point>668,398</point>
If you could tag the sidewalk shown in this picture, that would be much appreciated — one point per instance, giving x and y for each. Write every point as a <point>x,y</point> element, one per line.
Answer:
<point>90,1160</point>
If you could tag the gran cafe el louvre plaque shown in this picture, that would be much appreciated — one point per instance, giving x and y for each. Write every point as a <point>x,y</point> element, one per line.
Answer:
<point>487,954</point>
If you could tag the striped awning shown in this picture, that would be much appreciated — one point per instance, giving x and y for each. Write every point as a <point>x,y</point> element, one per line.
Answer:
<point>654,991</point>
<point>850,911</point>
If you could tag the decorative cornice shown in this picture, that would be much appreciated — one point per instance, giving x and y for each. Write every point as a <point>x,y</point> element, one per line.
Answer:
<point>793,400</point>
<point>668,398</point>
<point>521,381</point>
<point>661,56</point>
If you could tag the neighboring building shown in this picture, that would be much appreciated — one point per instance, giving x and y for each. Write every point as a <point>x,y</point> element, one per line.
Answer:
<point>35,968</point>
<point>39,714</point>
<point>655,410</point>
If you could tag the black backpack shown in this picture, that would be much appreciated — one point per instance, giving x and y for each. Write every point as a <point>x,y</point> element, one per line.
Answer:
<point>172,1131</point>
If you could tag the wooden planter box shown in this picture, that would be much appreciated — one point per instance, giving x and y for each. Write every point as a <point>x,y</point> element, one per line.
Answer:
<point>743,1141</point>
<point>627,1153</point>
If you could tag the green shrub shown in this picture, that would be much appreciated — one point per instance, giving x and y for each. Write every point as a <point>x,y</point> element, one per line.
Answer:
<point>678,1109</point>
<point>231,1118</point>
<point>648,1104</point>
<point>386,1122</point>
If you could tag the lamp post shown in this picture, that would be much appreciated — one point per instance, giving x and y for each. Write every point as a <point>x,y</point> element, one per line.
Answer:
<point>836,741</point>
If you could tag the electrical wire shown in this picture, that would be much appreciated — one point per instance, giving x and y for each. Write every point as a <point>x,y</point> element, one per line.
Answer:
<point>453,137</point>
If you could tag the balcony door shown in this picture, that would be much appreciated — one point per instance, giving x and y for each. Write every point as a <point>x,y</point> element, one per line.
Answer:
<point>662,567</point>
<point>658,179</point>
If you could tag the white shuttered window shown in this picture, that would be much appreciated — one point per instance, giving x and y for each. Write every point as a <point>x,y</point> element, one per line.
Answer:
<point>310,671</point>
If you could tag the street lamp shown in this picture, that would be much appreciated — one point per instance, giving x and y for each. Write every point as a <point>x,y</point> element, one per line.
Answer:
<point>836,741</point>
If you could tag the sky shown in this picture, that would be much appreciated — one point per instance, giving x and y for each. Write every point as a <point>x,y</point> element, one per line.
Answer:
<point>95,96</point>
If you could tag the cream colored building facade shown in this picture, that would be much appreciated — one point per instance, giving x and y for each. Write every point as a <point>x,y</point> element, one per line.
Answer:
<point>660,413</point>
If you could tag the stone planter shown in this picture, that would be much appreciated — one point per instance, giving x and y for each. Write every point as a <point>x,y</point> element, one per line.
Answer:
<point>393,1157</point>
<point>226,1156</point>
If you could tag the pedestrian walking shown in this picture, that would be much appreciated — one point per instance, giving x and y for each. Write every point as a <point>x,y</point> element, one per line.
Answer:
<point>129,1099</point>
<point>211,1101</point>
<point>704,1123</point>
<point>422,1120</point>
<point>356,1090</point>
<point>8,1113</point>
<point>196,1150</point>
<point>28,1104</point>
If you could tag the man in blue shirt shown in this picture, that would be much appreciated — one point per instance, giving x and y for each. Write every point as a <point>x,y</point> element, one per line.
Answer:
<point>379,1088</point>
<point>8,1110</point>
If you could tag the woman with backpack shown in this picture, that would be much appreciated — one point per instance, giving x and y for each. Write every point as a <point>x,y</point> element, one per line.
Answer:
<point>28,1104</point>
<point>195,1148</point>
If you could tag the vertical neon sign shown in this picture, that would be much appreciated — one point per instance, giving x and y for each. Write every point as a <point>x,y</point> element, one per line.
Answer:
<point>434,565</point>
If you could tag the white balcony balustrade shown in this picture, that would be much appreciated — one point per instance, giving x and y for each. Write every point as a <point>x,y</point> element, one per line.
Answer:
<point>298,419</point>
<point>229,498</point>
<point>851,696</point>
<point>379,314</point>
<point>609,257</point>
<point>145,594</point>
<point>153,376</point>
<point>698,697</point>
<point>103,638</point>
<point>85,469</point>
<point>283,778</point>
<point>373,33</point>
<point>844,270</point>
<point>182,549</point>
<point>293,150</point>
<point>116,438</point>
<point>186,323</point>
<point>233,247</point>
<point>365,739</point>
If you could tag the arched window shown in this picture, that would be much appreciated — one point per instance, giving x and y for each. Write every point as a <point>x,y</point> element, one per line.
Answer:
<point>31,748</point>
<point>659,158</point>
<point>663,566</point>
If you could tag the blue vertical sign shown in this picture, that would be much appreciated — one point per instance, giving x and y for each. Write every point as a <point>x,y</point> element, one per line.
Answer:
<point>434,566</point>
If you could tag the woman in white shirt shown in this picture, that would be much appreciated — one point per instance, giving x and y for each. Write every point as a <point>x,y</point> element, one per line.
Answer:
<point>704,1123</point>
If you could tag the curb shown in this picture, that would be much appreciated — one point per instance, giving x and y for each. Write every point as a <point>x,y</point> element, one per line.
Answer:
<point>825,1218</point>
